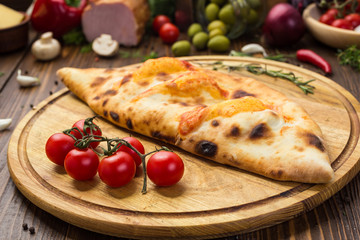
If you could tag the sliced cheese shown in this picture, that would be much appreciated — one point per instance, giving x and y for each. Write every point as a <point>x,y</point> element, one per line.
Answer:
<point>9,17</point>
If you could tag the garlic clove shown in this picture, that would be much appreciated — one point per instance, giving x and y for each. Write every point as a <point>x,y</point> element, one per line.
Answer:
<point>105,46</point>
<point>253,48</point>
<point>357,29</point>
<point>27,81</point>
<point>5,123</point>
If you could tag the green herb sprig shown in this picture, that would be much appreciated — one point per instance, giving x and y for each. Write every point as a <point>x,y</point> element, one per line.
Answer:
<point>258,70</point>
<point>290,76</point>
<point>278,57</point>
<point>137,54</point>
<point>350,57</point>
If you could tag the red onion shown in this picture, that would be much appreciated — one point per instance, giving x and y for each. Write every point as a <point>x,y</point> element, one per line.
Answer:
<point>283,25</point>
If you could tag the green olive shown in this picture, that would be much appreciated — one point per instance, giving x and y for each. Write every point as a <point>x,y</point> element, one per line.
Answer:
<point>244,8</point>
<point>254,3</point>
<point>217,24</point>
<point>200,40</point>
<point>193,29</point>
<point>218,2</point>
<point>215,32</point>
<point>227,14</point>
<point>252,16</point>
<point>211,11</point>
<point>219,43</point>
<point>181,48</point>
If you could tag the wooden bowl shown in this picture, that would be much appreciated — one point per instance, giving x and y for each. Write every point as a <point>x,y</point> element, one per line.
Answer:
<point>15,37</point>
<point>331,36</point>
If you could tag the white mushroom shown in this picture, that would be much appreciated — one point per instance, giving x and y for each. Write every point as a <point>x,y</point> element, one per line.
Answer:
<point>105,46</point>
<point>46,48</point>
<point>5,123</point>
<point>27,81</point>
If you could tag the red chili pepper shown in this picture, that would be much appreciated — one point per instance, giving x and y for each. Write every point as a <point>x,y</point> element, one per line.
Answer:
<point>57,16</point>
<point>309,56</point>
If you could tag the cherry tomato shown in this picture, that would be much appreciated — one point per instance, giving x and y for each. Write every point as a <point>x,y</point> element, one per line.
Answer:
<point>332,11</point>
<point>354,19</point>
<point>117,170</point>
<point>80,125</point>
<point>327,18</point>
<point>57,146</point>
<point>342,23</point>
<point>158,21</point>
<point>137,145</point>
<point>165,168</point>
<point>81,164</point>
<point>169,33</point>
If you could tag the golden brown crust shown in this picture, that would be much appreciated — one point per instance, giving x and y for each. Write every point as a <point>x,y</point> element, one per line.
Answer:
<point>235,121</point>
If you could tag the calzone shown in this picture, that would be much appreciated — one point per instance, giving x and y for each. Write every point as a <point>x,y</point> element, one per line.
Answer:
<point>232,120</point>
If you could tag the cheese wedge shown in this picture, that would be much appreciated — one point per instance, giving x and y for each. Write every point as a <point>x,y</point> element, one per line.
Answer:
<point>9,17</point>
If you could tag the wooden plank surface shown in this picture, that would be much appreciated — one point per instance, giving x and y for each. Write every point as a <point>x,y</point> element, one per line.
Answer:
<point>336,218</point>
<point>212,200</point>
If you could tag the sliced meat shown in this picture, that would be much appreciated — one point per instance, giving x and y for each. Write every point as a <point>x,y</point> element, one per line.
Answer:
<point>124,20</point>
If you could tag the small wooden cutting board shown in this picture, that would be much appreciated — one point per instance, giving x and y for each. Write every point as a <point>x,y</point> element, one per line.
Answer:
<point>211,200</point>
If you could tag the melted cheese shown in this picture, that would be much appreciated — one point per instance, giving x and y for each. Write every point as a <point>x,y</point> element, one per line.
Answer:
<point>231,107</point>
<point>192,84</point>
<point>146,73</point>
<point>189,86</point>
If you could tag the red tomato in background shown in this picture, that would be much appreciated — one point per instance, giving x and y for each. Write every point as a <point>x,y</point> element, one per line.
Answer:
<point>80,125</point>
<point>117,170</point>
<point>165,168</point>
<point>354,19</point>
<point>342,23</point>
<point>332,11</point>
<point>137,145</point>
<point>81,164</point>
<point>57,146</point>
<point>169,33</point>
<point>327,18</point>
<point>158,21</point>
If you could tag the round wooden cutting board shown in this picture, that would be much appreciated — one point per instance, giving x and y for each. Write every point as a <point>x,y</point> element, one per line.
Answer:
<point>211,200</point>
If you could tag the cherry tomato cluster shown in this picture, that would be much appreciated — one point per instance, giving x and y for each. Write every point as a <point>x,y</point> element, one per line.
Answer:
<point>167,31</point>
<point>77,150</point>
<point>349,21</point>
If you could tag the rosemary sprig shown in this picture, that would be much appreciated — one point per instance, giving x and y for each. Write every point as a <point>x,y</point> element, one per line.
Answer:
<point>278,57</point>
<point>290,76</point>
<point>257,69</point>
<point>350,57</point>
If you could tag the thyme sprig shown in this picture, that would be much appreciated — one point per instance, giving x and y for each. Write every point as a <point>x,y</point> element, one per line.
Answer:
<point>112,145</point>
<point>258,70</point>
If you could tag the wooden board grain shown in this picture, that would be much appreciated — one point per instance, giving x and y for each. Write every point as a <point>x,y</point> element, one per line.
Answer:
<point>211,200</point>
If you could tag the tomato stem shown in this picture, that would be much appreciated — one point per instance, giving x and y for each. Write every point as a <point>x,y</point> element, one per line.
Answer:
<point>113,144</point>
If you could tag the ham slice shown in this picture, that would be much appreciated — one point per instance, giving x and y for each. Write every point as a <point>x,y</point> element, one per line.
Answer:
<point>124,20</point>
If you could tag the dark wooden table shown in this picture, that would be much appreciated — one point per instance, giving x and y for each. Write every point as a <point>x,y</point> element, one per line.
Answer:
<point>336,218</point>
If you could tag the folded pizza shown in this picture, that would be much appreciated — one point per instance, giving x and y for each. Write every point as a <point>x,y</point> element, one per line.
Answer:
<point>232,120</point>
